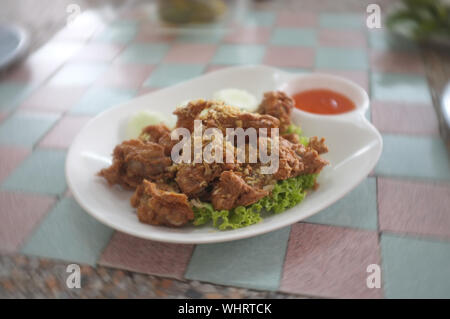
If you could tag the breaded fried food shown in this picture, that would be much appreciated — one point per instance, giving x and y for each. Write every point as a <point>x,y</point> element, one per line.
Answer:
<point>223,116</point>
<point>159,134</point>
<point>279,105</point>
<point>193,179</point>
<point>313,163</point>
<point>187,114</point>
<point>217,114</point>
<point>232,191</point>
<point>134,161</point>
<point>318,145</point>
<point>159,207</point>
<point>296,159</point>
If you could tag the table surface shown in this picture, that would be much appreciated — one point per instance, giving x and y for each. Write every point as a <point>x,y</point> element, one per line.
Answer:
<point>398,218</point>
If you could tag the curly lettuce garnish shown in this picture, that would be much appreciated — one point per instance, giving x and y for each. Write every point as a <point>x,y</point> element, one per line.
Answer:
<point>285,194</point>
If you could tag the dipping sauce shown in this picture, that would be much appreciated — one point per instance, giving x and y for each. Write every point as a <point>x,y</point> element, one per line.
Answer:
<point>323,101</point>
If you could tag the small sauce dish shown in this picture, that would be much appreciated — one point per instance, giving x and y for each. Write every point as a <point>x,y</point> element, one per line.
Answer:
<point>327,90</point>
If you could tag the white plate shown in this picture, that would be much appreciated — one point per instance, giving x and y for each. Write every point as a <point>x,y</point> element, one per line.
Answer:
<point>354,148</point>
<point>14,43</point>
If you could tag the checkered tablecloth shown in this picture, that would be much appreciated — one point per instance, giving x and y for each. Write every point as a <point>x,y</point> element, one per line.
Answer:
<point>398,218</point>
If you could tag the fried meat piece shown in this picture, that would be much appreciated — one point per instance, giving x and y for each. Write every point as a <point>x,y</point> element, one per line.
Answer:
<point>231,191</point>
<point>160,207</point>
<point>297,159</point>
<point>310,158</point>
<point>223,116</point>
<point>318,144</point>
<point>153,133</point>
<point>135,160</point>
<point>279,105</point>
<point>193,179</point>
<point>186,115</point>
<point>252,175</point>
<point>289,164</point>
<point>159,134</point>
<point>291,137</point>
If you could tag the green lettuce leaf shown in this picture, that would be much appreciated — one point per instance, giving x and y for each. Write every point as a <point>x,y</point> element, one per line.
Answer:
<point>285,194</point>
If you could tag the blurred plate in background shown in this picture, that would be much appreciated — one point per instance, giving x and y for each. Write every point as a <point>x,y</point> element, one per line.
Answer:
<point>13,44</point>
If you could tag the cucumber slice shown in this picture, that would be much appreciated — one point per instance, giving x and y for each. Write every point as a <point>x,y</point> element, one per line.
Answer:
<point>239,98</point>
<point>142,119</point>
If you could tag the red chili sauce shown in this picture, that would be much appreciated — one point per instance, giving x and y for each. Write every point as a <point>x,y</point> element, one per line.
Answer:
<point>323,101</point>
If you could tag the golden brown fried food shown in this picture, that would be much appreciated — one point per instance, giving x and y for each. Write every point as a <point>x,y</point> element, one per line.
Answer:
<point>223,116</point>
<point>159,134</point>
<point>160,207</point>
<point>289,163</point>
<point>279,105</point>
<point>291,137</point>
<point>231,191</point>
<point>311,160</point>
<point>318,144</point>
<point>135,160</point>
<point>297,159</point>
<point>153,133</point>
<point>186,115</point>
<point>193,179</point>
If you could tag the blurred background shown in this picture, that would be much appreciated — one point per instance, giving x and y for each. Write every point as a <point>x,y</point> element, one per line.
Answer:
<point>64,61</point>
